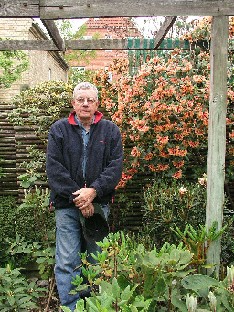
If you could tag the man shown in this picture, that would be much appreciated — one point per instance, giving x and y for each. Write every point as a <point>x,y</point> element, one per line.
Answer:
<point>84,165</point>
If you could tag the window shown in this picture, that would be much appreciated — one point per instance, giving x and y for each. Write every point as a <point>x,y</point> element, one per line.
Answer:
<point>49,74</point>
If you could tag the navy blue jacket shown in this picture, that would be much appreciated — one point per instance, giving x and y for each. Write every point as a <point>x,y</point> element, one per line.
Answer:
<point>65,156</point>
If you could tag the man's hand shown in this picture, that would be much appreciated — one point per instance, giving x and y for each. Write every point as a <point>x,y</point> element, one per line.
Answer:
<point>84,197</point>
<point>88,211</point>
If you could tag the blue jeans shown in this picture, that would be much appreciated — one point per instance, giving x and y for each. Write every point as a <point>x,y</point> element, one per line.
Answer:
<point>69,243</point>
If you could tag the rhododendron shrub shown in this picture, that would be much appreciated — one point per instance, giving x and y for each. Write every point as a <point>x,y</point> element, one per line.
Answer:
<point>162,112</point>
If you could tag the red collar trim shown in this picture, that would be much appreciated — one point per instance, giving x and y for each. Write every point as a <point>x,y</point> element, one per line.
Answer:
<point>71,118</point>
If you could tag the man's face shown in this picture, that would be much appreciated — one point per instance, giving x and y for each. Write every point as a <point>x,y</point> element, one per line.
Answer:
<point>85,104</point>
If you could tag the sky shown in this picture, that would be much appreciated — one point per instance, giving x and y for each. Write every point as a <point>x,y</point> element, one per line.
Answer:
<point>148,25</point>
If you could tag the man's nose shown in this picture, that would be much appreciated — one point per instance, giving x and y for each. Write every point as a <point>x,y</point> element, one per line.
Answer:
<point>85,102</point>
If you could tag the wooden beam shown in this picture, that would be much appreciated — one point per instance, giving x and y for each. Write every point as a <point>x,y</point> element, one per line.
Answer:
<point>20,8</point>
<point>60,9</point>
<point>122,44</point>
<point>217,134</point>
<point>96,44</point>
<point>41,45</point>
<point>160,35</point>
<point>54,9</point>
<point>54,34</point>
<point>104,44</point>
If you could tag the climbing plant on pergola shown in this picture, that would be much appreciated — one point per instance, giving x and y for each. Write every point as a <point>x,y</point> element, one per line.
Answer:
<point>50,10</point>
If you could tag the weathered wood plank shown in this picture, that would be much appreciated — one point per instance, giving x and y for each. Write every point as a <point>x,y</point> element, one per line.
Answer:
<point>42,45</point>
<point>160,35</point>
<point>21,8</point>
<point>118,44</point>
<point>96,44</point>
<point>217,133</point>
<point>89,44</point>
<point>57,9</point>
<point>101,44</point>
<point>54,34</point>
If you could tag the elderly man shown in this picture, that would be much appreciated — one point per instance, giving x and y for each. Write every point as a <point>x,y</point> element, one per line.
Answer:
<point>84,165</point>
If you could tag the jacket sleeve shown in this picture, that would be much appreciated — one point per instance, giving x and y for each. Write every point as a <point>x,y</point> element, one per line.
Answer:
<point>111,175</point>
<point>59,179</point>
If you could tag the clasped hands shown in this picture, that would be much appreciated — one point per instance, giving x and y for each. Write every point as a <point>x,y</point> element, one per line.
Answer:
<point>83,200</point>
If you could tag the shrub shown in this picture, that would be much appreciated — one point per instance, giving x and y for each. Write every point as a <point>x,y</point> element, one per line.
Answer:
<point>162,112</point>
<point>16,292</point>
<point>170,204</point>
<point>8,205</point>
<point>23,225</point>
<point>132,278</point>
<point>34,220</point>
<point>175,211</point>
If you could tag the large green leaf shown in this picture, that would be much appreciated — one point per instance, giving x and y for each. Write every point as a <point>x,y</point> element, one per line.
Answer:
<point>199,283</point>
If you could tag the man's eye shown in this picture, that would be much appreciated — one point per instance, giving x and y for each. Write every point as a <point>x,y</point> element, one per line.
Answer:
<point>90,100</point>
<point>82,100</point>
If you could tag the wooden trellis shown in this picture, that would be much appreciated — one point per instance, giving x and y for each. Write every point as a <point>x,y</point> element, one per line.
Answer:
<point>49,10</point>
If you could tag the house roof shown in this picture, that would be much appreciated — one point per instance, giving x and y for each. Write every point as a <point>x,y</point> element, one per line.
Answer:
<point>121,26</point>
<point>40,34</point>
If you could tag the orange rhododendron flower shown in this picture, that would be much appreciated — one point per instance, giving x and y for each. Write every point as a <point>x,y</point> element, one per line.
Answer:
<point>199,78</point>
<point>177,175</point>
<point>163,154</point>
<point>162,140</point>
<point>135,152</point>
<point>125,178</point>
<point>161,167</point>
<point>178,164</point>
<point>179,136</point>
<point>193,143</point>
<point>148,156</point>
<point>176,151</point>
<point>152,168</point>
<point>199,131</point>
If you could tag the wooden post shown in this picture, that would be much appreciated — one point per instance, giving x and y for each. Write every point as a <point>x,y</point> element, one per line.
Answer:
<point>217,134</point>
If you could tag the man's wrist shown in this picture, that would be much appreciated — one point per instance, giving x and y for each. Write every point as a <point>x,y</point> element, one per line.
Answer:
<point>95,191</point>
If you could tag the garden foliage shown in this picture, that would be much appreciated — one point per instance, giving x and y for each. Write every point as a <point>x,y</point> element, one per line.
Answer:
<point>16,293</point>
<point>129,277</point>
<point>162,112</point>
<point>12,65</point>
<point>175,211</point>
<point>173,204</point>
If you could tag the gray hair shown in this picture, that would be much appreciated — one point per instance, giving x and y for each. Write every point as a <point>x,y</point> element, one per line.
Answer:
<point>85,86</point>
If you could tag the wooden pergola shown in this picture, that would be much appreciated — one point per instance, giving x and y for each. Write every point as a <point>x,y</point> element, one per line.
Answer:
<point>50,10</point>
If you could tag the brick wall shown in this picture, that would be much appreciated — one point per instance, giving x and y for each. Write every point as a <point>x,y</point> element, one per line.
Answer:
<point>43,65</point>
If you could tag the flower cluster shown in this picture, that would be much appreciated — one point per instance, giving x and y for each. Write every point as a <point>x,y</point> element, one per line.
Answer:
<point>162,112</point>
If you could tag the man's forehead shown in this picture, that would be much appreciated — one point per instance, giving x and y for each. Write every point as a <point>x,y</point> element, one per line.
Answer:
<point>90,91</point>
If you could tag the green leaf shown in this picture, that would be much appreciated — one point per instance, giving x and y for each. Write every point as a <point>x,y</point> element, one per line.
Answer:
<point>115,288</point>
<point>177,302</point>
<point>79,306</point>
<point>66,309</point>
<point>160,287</point>
<point>127,293</point>
<point>199,283</point>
